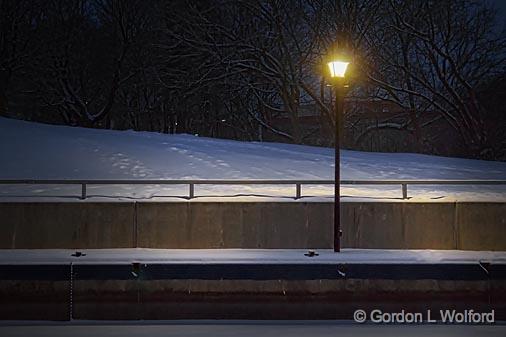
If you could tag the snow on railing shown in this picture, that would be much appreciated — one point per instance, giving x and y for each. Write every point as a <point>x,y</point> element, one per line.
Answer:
<point>296,182</point>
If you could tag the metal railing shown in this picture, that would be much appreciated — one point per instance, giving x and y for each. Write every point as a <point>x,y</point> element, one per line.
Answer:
<point>295,182</point>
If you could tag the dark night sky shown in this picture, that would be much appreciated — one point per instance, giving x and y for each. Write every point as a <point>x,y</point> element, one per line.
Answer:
<point>501,6</point>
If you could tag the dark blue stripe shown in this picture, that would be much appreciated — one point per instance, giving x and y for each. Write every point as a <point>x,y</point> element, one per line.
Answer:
<point>254,272</point>
<point>106,272</point>
<point>35,272</point>
<point>316,272</point>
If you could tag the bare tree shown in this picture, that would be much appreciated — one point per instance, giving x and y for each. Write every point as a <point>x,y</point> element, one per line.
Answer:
<point>262,47</point>
<point>19,43</point>
<point>434,56</point>
<point>236,68</point>
<point>86,63</point>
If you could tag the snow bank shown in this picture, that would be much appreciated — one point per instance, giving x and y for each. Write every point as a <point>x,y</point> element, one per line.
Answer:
<point>38,151</point>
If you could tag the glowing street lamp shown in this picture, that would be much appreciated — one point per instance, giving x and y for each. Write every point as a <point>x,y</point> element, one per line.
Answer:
<point>337,69</point>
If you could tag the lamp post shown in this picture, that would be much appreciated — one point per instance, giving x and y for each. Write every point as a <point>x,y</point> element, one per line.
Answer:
<point>337,72</point>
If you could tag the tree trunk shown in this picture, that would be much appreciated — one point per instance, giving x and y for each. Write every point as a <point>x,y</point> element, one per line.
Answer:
<point>3,104</point>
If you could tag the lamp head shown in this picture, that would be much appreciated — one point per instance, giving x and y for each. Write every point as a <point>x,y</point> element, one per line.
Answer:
<point>338,68</point>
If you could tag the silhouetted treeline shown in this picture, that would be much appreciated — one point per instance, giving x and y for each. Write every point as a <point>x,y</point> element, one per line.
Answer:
<point>426,76</point>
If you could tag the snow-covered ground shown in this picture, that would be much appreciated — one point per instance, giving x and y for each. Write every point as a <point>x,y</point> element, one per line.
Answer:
<point>38,151</point>
<point>248,256</point>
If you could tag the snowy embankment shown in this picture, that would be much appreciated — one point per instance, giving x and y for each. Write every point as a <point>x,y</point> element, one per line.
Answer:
<point>38,151</point>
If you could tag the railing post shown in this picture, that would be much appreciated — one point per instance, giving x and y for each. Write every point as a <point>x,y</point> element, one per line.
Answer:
<point>192,191</point>
<point>404,191</point>
<point>83,191</point>
<point>297,191</point>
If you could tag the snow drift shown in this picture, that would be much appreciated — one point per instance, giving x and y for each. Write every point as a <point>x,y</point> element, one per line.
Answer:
<point>38,151</point>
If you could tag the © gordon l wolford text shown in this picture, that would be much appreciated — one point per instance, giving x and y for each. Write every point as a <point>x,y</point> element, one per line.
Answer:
<point>448,316</point>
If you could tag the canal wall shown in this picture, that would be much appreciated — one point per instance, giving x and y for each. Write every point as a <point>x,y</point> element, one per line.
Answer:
<point>386,225</point>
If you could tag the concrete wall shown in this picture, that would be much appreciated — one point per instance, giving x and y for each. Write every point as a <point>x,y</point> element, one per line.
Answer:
<point>437,225</point>
<point>67,225</point>
<point>241,299</point>
<point>277,299</point>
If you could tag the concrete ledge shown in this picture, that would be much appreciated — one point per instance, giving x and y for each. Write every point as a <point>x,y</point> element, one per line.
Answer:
<point>124,284</point>
<point>392,225</point>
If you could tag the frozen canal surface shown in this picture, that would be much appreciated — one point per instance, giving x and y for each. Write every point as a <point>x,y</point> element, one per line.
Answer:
<point>242,329</point>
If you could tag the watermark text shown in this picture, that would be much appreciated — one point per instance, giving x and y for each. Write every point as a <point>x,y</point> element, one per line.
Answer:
<point>448,316</point>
